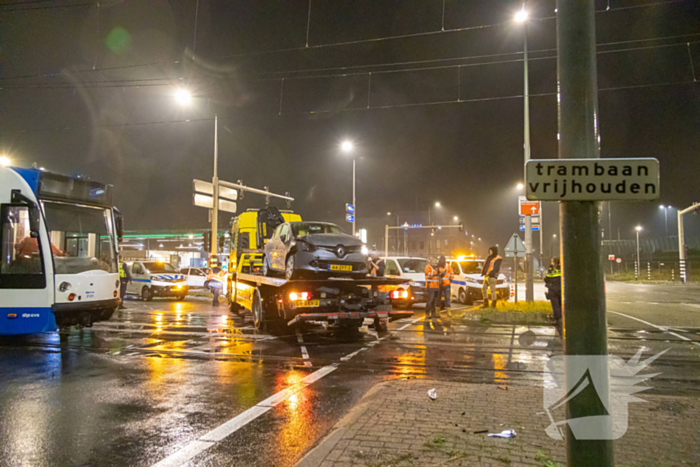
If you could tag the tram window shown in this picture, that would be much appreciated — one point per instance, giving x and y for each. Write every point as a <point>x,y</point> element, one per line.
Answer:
<point>21,264</point>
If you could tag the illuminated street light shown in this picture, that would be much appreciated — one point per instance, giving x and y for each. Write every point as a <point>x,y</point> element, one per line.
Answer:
<point>5,161</point>
<point>456,218</point>
<point>521,16</point>
<point>183,96</point>
<point>388,214</point>
<point>347,146</point>
<point>437,204</point>
<point>520,186</point>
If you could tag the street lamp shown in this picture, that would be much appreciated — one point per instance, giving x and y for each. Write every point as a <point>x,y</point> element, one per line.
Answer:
<point>455,218</point>
<point>5,161</point>
<point>348,147</point>
<point>184,97</point>
<point>637,270</point>
<point>666,208</point>
<point>520,186</point>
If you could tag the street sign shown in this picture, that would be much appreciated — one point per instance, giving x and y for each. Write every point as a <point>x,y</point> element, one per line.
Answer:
<point>207,188</point>
<point>611,257</point>
<point>535,228</point>
<point>528,208</point>
<point>515,247</point>
<point>592,179</point>
<point>618,260</point>
<point>534,220</point>
<point>206,201</point>
<point>350,217</point>
<point>350,208</point>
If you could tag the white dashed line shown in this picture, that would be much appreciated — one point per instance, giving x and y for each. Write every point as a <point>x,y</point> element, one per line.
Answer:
<point>661,328</point>
<point>304,352</point>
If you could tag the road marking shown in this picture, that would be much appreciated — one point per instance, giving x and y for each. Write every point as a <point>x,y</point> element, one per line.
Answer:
<point>661,328</point>
<point>351,355</point>
<point>409,324</point>
<point>304,352</point>
<point>204,442</point>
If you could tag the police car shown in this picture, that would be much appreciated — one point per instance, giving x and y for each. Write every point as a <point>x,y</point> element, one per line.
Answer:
<point>155,279</point>
<point>413,270</point>
<point>467,283</point>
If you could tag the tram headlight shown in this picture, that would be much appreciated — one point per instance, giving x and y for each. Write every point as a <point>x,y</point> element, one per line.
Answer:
<point>64,287</point>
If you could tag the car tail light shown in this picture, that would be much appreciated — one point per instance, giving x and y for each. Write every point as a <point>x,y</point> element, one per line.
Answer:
<point>394,294</point>
<point>114,294</point>
<point>294,296</point>
<point>71,297</point>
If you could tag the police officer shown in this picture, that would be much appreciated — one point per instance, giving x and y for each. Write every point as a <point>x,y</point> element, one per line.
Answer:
<point>124,279</point>
<point>490,271</point>
<point>553,284</point>
<point>445,276</point>
<point>432,283</point>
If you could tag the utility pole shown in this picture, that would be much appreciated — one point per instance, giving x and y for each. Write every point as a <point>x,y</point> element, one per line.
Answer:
<point>585,327</point>
<point>529,283</point>
<point>681,240</point>
<point>215,195</point>
<point>354,215</point>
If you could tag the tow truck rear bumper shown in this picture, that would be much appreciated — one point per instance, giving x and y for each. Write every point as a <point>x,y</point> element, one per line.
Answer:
<point>353,315</point>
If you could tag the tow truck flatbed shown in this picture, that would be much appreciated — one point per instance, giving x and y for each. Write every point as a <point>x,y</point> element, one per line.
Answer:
<point>344,302</point>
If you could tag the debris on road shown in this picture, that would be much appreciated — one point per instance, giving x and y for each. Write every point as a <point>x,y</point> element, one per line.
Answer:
<point>505,388</point>
<point>432,394</point>
<point>503,434</point>
<point>478,432</point>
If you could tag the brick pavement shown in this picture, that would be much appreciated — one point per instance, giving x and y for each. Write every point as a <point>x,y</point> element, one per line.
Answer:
<point>396,424</point>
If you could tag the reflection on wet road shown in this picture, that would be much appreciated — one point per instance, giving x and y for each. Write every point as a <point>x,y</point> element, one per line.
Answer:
<point>165,378</point>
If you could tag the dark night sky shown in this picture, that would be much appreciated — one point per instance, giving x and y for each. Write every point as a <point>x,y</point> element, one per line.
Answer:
<point>467,155</point>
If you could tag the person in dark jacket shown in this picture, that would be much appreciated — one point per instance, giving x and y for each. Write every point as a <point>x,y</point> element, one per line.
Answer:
<point>124,279</point>
<point>490,272</point>
<point>553,284</point>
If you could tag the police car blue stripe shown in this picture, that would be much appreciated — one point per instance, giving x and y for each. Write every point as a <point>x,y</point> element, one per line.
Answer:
<point>459,282</point>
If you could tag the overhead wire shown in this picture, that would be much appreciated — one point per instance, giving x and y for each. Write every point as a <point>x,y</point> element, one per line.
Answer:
<point>336,44</point>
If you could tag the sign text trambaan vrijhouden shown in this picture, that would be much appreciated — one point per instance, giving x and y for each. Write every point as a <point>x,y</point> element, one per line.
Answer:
<point>592,179</point>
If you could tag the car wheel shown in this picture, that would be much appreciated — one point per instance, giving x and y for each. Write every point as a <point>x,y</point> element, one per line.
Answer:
<point>257,310</point>
<point>146,294</point>
<point>289,270</point>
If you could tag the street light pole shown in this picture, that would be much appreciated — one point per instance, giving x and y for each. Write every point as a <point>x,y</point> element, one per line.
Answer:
<point>354,217</point>
<point>215,183</point>
<point>637,265</point>
<point>529,283</point>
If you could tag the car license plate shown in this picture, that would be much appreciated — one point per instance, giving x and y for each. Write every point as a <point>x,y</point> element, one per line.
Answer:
<point>307,303</point>
<point>339,267</point>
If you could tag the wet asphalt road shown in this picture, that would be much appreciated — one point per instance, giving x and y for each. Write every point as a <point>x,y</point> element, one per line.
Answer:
<point>159,375</point>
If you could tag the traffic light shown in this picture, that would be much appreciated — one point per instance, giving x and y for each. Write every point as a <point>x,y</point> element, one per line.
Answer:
<point>207,240</point>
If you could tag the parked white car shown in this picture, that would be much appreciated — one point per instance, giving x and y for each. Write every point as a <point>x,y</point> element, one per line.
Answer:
<point>155,279</point>
<point>466,286</point>
<point>196,277</point>
<point>413,270</point>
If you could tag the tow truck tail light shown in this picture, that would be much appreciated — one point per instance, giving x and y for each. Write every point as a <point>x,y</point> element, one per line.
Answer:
<point>294,296</point>
<point>404,294</point>
<point>396,294</point>
<point>71,297</point>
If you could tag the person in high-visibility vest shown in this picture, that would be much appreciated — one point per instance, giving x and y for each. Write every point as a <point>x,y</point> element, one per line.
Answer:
<point>124,279</point>
<point>445,275</point>
<point>490,271</point>
<point>553,284</point>
<point>217,278</point>
<point>432,282</point>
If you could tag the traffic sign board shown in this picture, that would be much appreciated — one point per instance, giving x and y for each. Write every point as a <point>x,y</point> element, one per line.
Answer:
<point>350,208</point>
<point>535,228</point>
<point>515,247</point>
<point>528,208</point>
<point>618,260</point>
<point>611,257</point>
<point>592,179</point>
<point>207,188</point>
<point>350,217</point>
<point>533,219</point>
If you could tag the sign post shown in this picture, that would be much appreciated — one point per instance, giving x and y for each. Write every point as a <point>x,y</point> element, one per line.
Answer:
<point>584,325</point>
<point>516,249</point>
<point>528,209</point>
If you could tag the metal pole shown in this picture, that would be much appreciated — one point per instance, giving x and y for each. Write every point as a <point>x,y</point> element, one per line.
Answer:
<point>386,240</point>
<point>354,216</point>
<point>666,218</point>
<point>215,182</point>
<point>541,236</point>
<point>529,283</point>
<point>585,327</point>
<point>681,247</point>
<point>637,264</point>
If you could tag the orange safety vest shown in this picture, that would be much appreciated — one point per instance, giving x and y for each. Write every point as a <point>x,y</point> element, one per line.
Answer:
<point>491,265</point>
<point>431,279</point>
<point>449,275</point>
